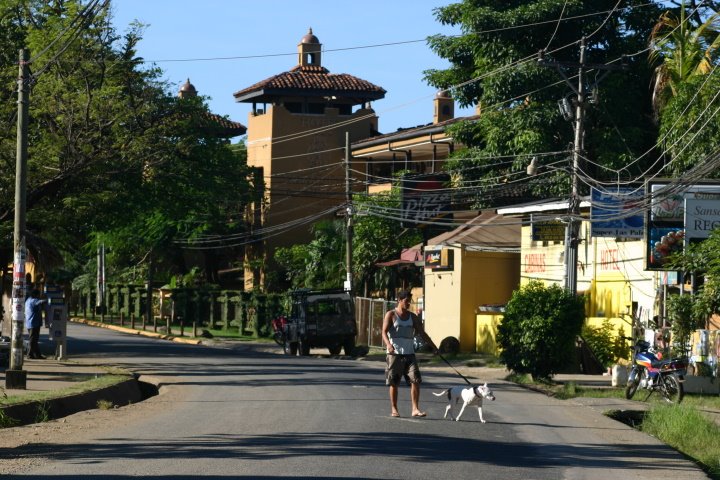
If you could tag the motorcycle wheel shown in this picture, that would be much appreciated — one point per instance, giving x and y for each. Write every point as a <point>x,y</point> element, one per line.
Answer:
<point>633,382</point>
<point>671,389</point>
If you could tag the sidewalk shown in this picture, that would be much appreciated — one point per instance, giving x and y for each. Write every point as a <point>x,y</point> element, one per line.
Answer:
<point>50,393</point>
<point>52,375</point>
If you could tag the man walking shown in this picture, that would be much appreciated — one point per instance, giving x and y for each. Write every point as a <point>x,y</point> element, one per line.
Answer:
<point>33,321</point>
<point>399,328</point>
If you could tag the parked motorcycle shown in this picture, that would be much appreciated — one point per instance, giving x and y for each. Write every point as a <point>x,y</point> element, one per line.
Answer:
<point>278,326</point>
<point>651,372</point>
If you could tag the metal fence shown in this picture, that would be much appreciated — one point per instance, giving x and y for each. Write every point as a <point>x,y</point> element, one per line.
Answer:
<point>369,313</point>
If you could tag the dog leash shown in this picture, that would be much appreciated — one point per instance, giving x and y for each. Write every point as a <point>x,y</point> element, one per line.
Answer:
<point>450,365</point>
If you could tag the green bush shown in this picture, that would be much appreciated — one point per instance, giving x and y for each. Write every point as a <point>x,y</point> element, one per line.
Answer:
<point>606,346</point>
<point>682,314</point>
<point>539,328</point>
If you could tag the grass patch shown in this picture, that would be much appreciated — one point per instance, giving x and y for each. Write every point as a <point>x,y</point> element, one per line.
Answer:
<point>234,334</point>
<point>105,405</point>
<point>568,390</point>
<point>527,379</point>
<point>43,413</point>
<point>702,401</point>
<point>694,400</point>
<point>6,421</point>
<point>92,384</point>
<point>688,431</point>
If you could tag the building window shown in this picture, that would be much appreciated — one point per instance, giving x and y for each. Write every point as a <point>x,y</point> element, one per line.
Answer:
<point>316,108</point>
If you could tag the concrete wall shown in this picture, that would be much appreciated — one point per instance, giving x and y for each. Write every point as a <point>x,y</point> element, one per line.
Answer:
<point>486,325</point>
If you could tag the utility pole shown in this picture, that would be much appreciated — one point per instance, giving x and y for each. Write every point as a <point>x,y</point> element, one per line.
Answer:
<point>349,214</point>
<point>572,229</point>
<point>100,291</point>
<point>16,377</point>
<point>572,226</point>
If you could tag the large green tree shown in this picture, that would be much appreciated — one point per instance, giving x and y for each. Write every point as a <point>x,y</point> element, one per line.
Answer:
<point>376,237</point>
<point>682,51</point>
<point>494,65</point>
<point>685,50</point>
<point>114,155</point>
<point>319,264</point>
<point>379,237</point>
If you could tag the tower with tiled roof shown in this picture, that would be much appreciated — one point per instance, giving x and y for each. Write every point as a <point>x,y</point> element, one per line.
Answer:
<point>211,123</point>
<point>296,140</point>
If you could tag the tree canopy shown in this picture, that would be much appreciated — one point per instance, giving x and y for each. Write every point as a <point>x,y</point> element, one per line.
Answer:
<point>376,238</point>
<point>114,155</point>
<point>494,65</point>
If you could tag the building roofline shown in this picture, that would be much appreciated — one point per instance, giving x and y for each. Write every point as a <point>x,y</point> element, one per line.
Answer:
<point>409,133</point>
<point>551,205</point>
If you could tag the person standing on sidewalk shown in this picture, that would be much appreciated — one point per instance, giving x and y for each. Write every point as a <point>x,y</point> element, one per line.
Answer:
<point>400,326</point>
<point>33,321</point>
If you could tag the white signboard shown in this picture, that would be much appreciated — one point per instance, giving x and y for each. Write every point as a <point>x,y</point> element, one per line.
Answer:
<point>669,207</point>
<point>701,217</point>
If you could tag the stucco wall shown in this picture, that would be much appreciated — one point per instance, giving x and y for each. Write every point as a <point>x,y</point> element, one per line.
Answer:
<point>612,272</point>
<point>452,297</point>
<point>300,170</point>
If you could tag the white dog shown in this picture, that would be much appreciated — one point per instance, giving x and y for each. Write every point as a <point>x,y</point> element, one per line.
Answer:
<point>469,396</point>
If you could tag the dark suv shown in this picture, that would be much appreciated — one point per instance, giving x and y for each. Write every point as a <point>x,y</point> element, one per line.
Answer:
<point>324,318</point>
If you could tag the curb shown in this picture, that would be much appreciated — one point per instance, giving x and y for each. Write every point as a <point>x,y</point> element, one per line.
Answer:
<point>120,394</point>
<point>144,333</point>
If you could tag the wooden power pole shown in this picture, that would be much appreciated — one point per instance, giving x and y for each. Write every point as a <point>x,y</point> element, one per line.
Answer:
<point>16,377</point>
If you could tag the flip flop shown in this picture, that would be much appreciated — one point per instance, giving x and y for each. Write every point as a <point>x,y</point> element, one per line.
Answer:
<point>420,414</point>
<point>394,414</point>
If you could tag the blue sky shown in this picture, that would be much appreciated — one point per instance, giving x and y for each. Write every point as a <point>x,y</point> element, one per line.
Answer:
<point>188,29</point>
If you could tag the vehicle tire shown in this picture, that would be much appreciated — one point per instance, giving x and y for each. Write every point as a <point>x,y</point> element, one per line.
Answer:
<point>303,347</point>
<point>279,338</point>
<point>290,348</point>
<point>633,382</point>
<point>335,349</point>
<point>349,346</point>
<point>671,389</point>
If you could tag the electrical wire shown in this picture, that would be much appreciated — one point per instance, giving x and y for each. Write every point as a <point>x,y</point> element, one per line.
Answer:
<point>557,26</point>
<point>519,62</point>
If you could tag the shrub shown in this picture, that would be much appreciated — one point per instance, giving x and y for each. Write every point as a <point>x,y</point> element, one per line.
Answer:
<point>606,346</point>
<point>539,329</point>
<point>684,320</point>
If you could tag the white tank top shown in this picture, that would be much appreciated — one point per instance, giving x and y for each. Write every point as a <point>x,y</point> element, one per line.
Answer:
<point>401,334</point>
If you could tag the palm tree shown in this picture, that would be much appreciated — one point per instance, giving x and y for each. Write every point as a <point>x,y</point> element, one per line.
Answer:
<point>682,51</point>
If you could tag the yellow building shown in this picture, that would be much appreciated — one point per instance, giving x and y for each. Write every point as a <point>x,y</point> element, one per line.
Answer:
<point>296,139</point>
<point>611,271</point>
<point>473,267</point>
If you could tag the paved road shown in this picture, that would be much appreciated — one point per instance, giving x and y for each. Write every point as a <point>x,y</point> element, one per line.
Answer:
<point>242,412</point>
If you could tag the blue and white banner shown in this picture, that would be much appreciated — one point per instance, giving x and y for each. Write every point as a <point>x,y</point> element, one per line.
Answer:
<point>617,214</point>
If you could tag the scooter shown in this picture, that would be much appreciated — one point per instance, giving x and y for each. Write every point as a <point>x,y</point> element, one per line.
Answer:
<point>651,372</point>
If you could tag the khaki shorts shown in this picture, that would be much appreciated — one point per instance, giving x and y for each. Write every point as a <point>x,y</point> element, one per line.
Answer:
<point>402,366</point>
